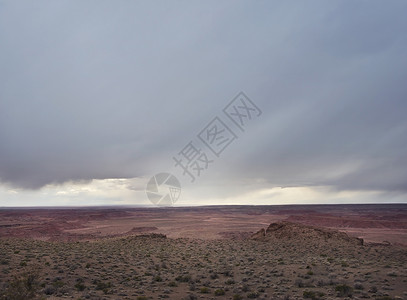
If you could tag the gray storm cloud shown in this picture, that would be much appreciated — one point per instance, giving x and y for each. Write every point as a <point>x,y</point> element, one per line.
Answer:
<point>93,90</point>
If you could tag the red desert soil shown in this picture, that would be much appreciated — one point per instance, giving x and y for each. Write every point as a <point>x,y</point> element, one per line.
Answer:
<point>375,223</point>
<point>222,252</point>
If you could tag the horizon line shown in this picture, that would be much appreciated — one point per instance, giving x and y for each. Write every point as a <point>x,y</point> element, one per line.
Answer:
<point>189,206</point>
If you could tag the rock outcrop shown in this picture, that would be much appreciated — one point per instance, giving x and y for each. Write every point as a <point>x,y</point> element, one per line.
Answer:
<point>293,232</point>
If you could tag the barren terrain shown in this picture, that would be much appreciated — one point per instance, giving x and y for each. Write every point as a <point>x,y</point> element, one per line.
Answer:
<point>374,223</point>
<point>226,252</point>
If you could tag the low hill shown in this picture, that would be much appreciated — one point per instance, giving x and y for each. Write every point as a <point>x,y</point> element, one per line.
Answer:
<point>304,234</point>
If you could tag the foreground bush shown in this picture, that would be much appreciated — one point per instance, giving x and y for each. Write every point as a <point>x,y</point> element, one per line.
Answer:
<point>22,287</point>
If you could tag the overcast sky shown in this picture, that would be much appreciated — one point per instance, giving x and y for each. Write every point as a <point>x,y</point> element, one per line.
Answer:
<point>98,96</point>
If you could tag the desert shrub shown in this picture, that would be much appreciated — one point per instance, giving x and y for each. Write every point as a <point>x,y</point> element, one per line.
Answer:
<point>344,264</point>
<point>185,278</point>
<point>22,287</point>
<point>237,297</point>
<point>204,290</point>
<point>103,286</point>
<point>158,278</point>
<point>206,283</point>
<point>321,283</point>
<point>49,290</point>
<point>214,276</point>
<point>173,284</point>
<point>253,295</point>
<point>230,281</point>
<point>142,298</point>
<point>245,288</point>
<point>312,295</point>
<point>309,295</point>
<point>358,286</point>
<point>344,290</point>
<point>80,286</point>
<point>310,273</point>
<point>299,283</point>
<point>4,262</point>
<point>58,283</point>
<point>219,292</point>
<point>385,298</point>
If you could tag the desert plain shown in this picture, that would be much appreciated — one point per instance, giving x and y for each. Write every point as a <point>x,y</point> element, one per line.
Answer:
<point>210,252</point>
